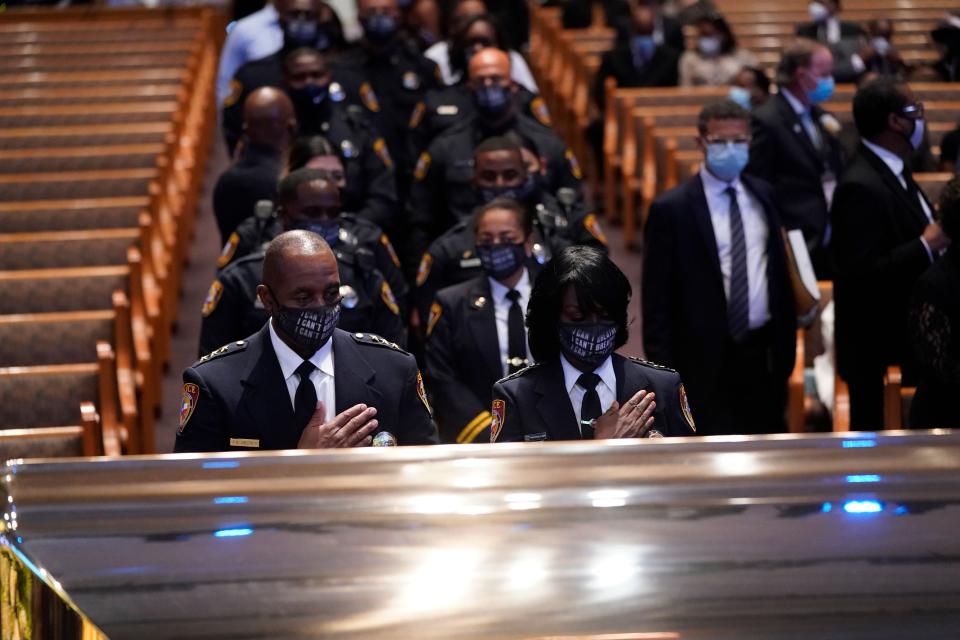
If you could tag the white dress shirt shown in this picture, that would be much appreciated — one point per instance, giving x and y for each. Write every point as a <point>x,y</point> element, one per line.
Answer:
<point>322,376</point>
<point>756,233</point>
<point>895,164</point>
<point>501,310</point>
<point>520,73</point>
<point>256,36</point>
<point>606,389</point>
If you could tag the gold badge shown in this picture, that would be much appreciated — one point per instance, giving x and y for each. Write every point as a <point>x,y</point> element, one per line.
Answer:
<point>423,165</point>
<point>385,241</point>
<point>236,90</point>
<point>416,117</point>
<point>435,312</point>
<point>250,443</point>
<point>593,226</point>
<point>188,402</point>
<point>226,254</point>
<point>369,97</point>
<point>387,296</point>
<point>474,428</point>
<point>574,165</point>
<point>423,393</point>
<point>380,148</point>
<point>685,407</point>
<point>423,271</point>
<point>213,297</point>
<point>539,110</point>
<point>499,412</point>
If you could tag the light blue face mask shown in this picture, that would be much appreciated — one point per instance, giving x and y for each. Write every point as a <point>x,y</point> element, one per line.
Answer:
<point>642,47</point>
<point>823,91</point>
<point>741,96</point>
<point>726,160</point>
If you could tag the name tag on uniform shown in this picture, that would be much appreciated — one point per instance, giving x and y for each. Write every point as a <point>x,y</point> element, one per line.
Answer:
<point>448,110</point>
<point>535,437</point>
<point>245,442</point>
<point>469,263</point>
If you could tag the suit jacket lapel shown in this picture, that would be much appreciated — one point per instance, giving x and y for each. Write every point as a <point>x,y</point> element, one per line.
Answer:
<point>629,379</point>
<point>704,224</point>
<point>893,184</point>
<point>793,122</point>
<point>266,400</point>
<point>354,374</point>
<point>553,403</point>
<point>482,326</point>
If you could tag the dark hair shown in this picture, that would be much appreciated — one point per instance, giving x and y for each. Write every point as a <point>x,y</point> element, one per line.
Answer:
<point>497,143</point>
<point>720,24</point>
<point>523,216</point>
<point>796,55</point>
<point>724,109</point>
<point>599,286</point>
<point>309,147</point>
<point>302,52</point>
<point>760,77</point>
<point>458,53</point>
<point>950,209</point>
<point>287,189</point>
<point>873,102</point>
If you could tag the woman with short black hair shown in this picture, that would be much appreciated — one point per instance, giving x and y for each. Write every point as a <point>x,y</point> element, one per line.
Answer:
<point>579,388</point>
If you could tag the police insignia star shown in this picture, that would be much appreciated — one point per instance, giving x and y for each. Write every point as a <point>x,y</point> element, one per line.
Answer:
<point>386,294</point>
<point>423,271</point>
<point>188,402</point>
<point>380,148</point>
<point>369,98</point>
<point>685,408</point>
<point>435,312</point>
<point>230,248</point>
<point>213,297</point>
<point>499,412</point>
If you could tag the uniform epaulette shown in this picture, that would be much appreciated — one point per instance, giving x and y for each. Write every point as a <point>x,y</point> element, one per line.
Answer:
<point>517,374</point>
<point>225,350</point>
<point>375,340</point>
<point>652,365</point>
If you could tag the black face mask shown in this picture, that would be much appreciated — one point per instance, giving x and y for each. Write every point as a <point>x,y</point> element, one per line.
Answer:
<point>527,191</point>
<point>309,97</point>
<point>492,102</point>
<point>299,33</point>
<point>588,342</point>
<point>500,261</point>
<point>380,28</point>
<point>329,230</point>
<point>309,328</point>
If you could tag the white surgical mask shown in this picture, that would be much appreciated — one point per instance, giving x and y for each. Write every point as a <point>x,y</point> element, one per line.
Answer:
<point>818,12</point>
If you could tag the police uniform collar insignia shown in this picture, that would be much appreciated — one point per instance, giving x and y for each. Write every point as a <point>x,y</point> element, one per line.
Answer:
<point>233,347</point>
<point>375,340</point>
<point>348,296</point>
<point>479,302</point>
<point>336,92</point>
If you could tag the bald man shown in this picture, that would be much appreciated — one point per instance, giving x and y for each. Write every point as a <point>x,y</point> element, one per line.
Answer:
<point>270,126</point>
<point>442,193</point>
<point>300,382</point>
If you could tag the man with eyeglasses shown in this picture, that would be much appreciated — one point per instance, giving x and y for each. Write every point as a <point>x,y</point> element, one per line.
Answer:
<point>717,302</point>
<point>885,235</point>
<point>300,382</point>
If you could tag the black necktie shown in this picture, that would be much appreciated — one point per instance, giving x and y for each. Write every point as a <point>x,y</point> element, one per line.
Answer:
<point>516,337</point>
<point>305,402</point>
<point>913,189</point>
<point>590,409</point>
<point>738,306</point>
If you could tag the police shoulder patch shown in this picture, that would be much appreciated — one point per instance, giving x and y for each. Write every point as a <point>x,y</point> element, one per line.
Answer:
<point>416,117</point>
<point>685,408</point>
<point>213,298</point>
<point>369,97</point>
<point>229,249</point>
<point>227,349</point>
<point>574,164</point>
<point>236,90</point>
<point>376,341</point>
<point>498,411</point>
<point>422,392</point>
<point>394,258</point>
<point>435,312</point>
<point>593,226</point>
<point>423,271</point>
<point>540,111</point>
<point>423,165</point>
<point>188,402</point>
<point>380,148</point>
<point>386,294</point>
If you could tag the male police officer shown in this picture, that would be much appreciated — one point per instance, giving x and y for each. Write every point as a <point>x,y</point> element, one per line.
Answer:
<point>308,201</point>
<point>441,192</point>
<point>300,382</point>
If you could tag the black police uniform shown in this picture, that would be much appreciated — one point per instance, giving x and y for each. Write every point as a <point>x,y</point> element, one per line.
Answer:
<point>233,310</point>
<point>533,403</point>
<point>451,258</point>
<point>255,234</point>
<point>462,360</point>
<point>442,192</point>
<point>346,87</point>
<point>236,399</point>
<point>400,76</point>
<point>443,108</point>
<point>251,179</point>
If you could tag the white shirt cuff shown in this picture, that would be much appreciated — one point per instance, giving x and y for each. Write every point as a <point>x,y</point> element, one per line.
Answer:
<point>859,66</point>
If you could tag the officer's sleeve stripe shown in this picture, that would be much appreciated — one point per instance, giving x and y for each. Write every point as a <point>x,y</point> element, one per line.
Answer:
<point>474,427</point>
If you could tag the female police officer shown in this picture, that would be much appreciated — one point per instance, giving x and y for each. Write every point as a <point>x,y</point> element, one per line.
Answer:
<point>579,388</point>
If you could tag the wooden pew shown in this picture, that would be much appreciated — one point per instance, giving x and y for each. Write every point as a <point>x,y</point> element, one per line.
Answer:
<point>86,113</point>
<point>84,440</point>
<point>117,156</point>
<point>74,213</point>
<point>896,400</point>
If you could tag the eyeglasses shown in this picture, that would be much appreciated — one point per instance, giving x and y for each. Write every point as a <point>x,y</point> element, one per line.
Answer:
<point>914,110</point>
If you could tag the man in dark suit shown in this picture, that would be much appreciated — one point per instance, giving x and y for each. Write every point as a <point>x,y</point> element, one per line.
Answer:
<point>885,237</point>
<point>300,382</point>
<point>794,147</point>
<point>826,26</point>
<point>717,303</point>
